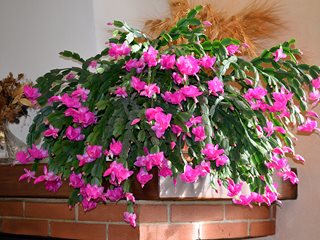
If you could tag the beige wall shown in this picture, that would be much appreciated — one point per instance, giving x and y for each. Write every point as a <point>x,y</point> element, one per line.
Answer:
<point>40,29</point>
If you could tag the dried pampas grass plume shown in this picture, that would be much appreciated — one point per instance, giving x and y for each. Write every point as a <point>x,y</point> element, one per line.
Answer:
<point>252,25</point>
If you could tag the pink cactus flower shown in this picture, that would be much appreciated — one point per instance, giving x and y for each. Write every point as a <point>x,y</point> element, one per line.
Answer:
<point>81,93</point>
<point>233,188</point>
<point>277,163</point>
<point>190,175</point>
<point>121,92</point>
<point>207,23</point>
<point>117,50</point>
<point>222,160</point>
<point>248,81</point>
<point>88,205</point>
<point>93,192</point>
<point>191,92</point>
<point>137,84</point>
<point>199,133</point>
<point>203,168</point>
<point>188,65</point>
<point>134,63</point>
<point>118,173</point>
<point>70,102</point>
<point>143,177</point>
<point>70,76</point>
<point>51,132</point>
<point>258,198</point>
<point>52,181</point>
<point>115,148</point>
<point>130,218</point>
<point>172,145</point>
<point>177,78</point>
<point>165,170</point>
<point>270,196</point>
<point>151,160</point>
<point>76,180</point>
<point>316,83</point>
<point>150,90</point>
<point>270,128</point>
<point>312,114</point>
<point>244,200</point>
<point>176,129</point>
<point>93,64</point>
<point>162,122</point>
<point>115,194</point>
<point>82,116</point>
<point>174,98</point>
<point>212,152</point>
<point>135,121</point>
<point>215,86</point>
<point>232,49</point>
<point>279,55</point>
<point>24,157</point>
<point>37,153</point>
<point>54,99</point>
<point>193,121</point>
<point>167,61</point>
<point>150,57</point>
<point>151,113</point>
<point>84,159</point>
<point>74,134</point>
<point>287,174</point>
<point>130,197</point>
<point>255,93</point>
<point>299,158</point>
<point>31,93</point>
<point>86,118</point>
<point>207,61</point>
<point>314,97</point>
<point>309,126</point>
<point>94,151</point>
<point>27,175</point>
<point>259,131</point>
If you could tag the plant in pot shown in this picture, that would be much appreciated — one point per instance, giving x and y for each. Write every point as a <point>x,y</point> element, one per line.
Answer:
<point>138,103</point>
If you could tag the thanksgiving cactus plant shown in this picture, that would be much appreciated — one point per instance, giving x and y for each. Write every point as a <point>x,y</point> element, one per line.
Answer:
<point>138,103</point>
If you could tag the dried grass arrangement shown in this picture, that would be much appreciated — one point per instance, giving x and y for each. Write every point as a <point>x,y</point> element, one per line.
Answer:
<point>254,24</point>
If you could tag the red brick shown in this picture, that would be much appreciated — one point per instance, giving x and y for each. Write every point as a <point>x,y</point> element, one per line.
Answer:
<point>193,213</point>
<point>168,231</point>
<point>223,230</point>
<point>11,208</point>
<point>70,230</point>
<point>104,212</point>
<point>26,227</point>
<point>122,232</point>
<point>49,210</point>
<point>153,213</point>
<point>266,228</point>
<point>234,212</point>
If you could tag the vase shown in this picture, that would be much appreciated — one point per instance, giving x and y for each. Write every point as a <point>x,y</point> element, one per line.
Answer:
<point>9,144</point>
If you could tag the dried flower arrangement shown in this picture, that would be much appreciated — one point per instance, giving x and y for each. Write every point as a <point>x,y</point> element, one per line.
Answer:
<point>13,105</point>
